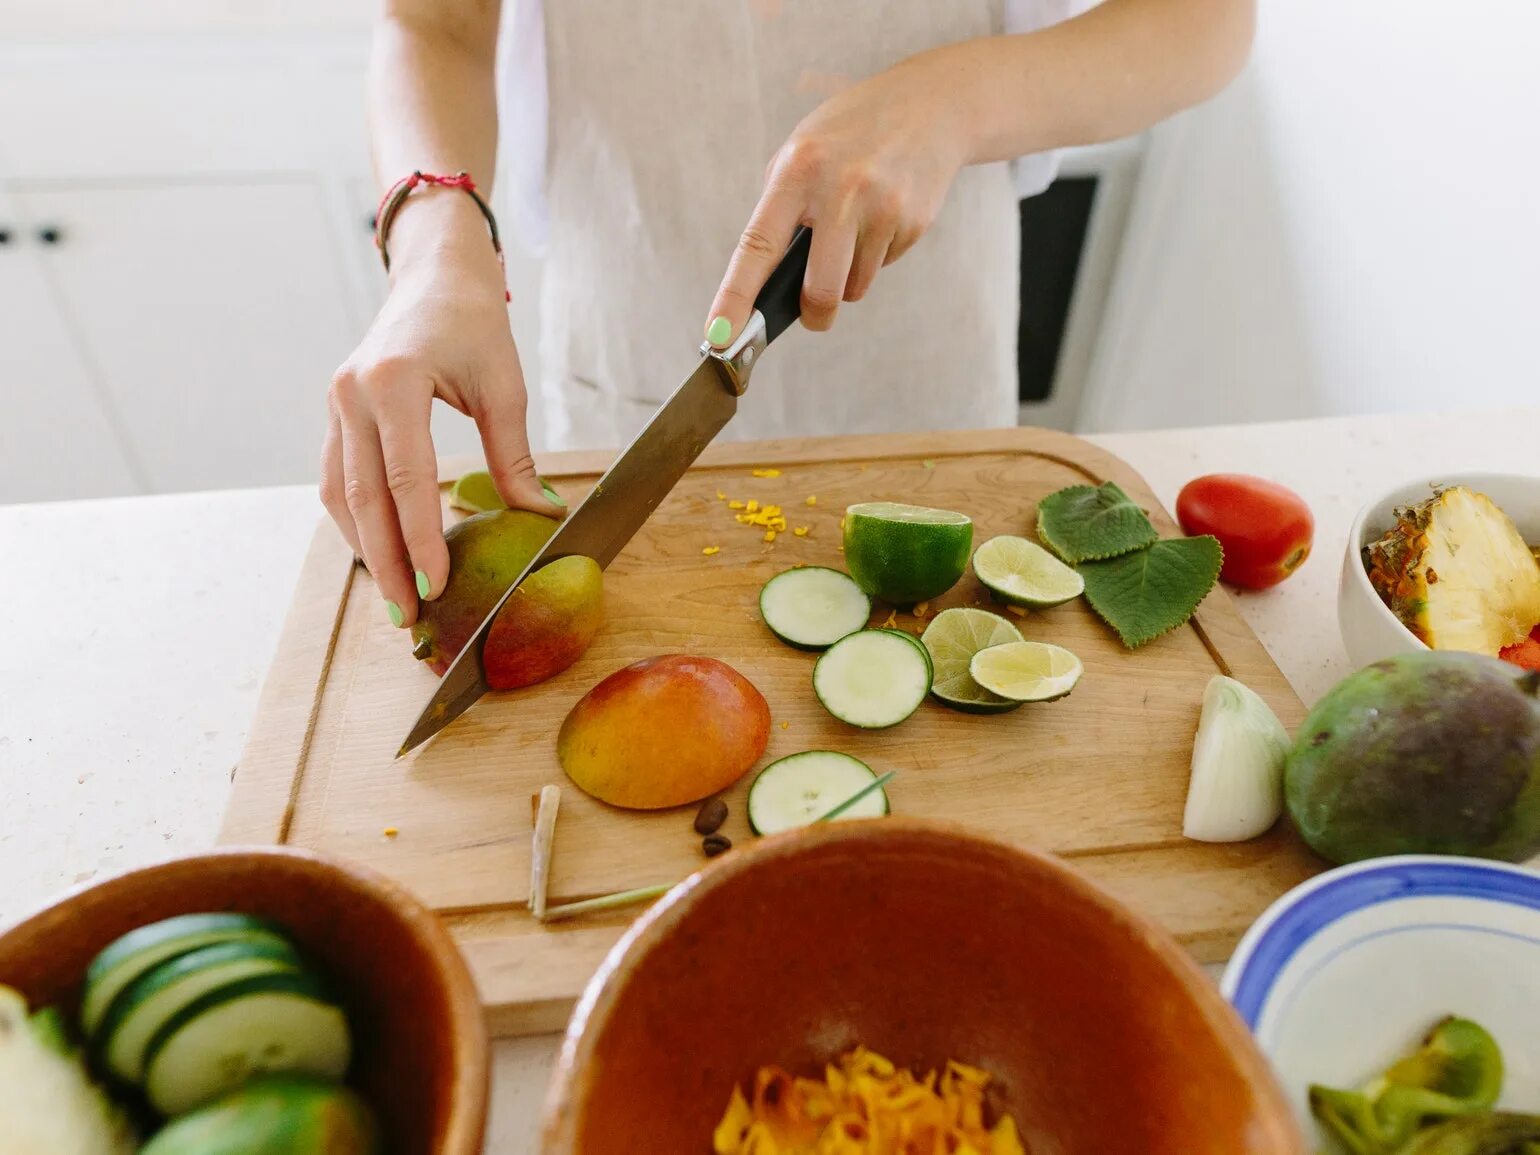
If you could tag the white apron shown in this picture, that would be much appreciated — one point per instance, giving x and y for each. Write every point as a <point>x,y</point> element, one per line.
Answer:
<point>662,118</point>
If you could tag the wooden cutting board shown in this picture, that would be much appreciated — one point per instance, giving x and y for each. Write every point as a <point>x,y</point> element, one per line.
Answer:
<point>1099,777</point>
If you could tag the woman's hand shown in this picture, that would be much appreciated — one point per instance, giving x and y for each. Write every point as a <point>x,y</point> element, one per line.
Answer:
<point>443,332</point>
<point>868,170</point>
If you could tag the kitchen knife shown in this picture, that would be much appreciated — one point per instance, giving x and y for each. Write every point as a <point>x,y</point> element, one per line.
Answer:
<point>642,476</point>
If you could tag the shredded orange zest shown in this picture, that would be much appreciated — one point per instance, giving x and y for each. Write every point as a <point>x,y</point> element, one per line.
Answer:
<point>767,473</point>
<point>842,521</point>
<point>391,832</point>
<point>785,725</point>
<point>812,499</point>
<point>712,550</point>
<point>892,620</point>
<point>800,531</point>
<point>921,609</point>
<point>752,506</point>
<point>769,535</point>
<point>1017,610</point>
<point>863,1105</point>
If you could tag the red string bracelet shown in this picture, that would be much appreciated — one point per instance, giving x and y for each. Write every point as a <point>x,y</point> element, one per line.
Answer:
<point>395,196</point>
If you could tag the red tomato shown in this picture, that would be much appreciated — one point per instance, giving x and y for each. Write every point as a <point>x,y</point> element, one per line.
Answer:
<point>1266,529</point>
<point>1525,653</point>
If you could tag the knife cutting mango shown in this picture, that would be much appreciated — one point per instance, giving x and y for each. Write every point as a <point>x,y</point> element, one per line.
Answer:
<point>642,476</point>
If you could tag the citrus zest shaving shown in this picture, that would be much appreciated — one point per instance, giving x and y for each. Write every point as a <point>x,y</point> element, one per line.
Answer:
<point>712,550</point>
<point>721,496</point>
<point>892,620</point>
<point>391,832</point>
<point>752,506</point>
<point>862,1105</point>
<point>800,531</point>
<point>922,609</point>
<point>1017,610</point>
<point>812,499</point>
<point>735,505</point>
<point>769,535</point>
<point>767,473</point>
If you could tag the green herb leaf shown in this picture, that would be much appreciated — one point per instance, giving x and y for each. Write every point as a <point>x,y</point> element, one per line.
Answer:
<point>1145,594</point>
<point>1090,523</point>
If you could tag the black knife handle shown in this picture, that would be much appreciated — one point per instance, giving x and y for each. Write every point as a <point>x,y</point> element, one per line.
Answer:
<point>780,301</point>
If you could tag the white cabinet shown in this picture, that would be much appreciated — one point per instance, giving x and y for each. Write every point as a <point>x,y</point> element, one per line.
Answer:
<point>213,314</point>
<point>189,259</point>
<point>57,438</point>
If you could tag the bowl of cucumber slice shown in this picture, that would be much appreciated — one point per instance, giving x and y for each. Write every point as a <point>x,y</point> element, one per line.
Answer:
<point>197,1004</point>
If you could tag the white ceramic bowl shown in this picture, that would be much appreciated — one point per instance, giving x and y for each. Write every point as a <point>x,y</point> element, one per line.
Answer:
<point>1369,630</point>
<point>1346,972</point>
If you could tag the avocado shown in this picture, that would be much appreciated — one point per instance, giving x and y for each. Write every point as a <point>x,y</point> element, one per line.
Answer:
<point>1425,753</point>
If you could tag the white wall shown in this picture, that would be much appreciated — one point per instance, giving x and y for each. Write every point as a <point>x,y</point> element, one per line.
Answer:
<point>1353,227</point>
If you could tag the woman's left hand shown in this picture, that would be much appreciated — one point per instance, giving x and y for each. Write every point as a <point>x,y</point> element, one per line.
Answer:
<point>868,170</point>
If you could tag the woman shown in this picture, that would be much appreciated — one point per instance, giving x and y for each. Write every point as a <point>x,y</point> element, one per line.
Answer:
<point>646,131</point>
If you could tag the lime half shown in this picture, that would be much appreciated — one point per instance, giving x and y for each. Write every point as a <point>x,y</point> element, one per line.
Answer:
<point>953,638</point>
<point>1026,671</point>
<point>905,554</point>
<point>1022,573</point>
<point>476,492</point>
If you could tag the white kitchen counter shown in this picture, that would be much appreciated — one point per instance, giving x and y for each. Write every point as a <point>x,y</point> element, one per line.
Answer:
<point>138,631</point>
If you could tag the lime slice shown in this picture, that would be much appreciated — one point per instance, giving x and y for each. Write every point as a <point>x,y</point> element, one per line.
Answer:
<point>476,492</point>
<point>905,554</point>
<point>1026,671</point>
<point>1022,573</point>
<point>952,638</point>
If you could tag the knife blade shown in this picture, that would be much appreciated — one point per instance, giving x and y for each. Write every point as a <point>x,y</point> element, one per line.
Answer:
<point>641,477</point>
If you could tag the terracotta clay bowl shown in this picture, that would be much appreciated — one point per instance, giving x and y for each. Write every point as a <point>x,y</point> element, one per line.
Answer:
<point>923,943</point>
<point>420,1044</point>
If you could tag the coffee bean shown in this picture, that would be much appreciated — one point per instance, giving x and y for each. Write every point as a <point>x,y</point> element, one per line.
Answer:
<point>710,816</point>
<point>715,844</point>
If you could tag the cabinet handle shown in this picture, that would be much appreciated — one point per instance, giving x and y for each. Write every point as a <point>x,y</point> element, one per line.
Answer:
<point>5,235</point>
<point>50,235</point>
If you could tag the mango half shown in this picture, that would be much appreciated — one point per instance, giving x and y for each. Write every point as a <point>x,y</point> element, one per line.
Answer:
<point>664,732</point>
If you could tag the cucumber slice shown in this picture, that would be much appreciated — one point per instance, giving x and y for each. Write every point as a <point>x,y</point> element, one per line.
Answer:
<point>279,1022</point>
<point>140,1008</point>
<point>812,608</point>
<point>872,679</point>
<point>801,788</point>
<point>128,957</point>
<point>917,644</point>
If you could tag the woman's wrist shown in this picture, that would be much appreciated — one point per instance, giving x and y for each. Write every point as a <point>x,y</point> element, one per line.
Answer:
<point>441,230</point>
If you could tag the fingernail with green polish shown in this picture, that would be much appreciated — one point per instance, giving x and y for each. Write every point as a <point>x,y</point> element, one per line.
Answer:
<point>720,331</point>
<point>424,586</point>
<point>397,618</point>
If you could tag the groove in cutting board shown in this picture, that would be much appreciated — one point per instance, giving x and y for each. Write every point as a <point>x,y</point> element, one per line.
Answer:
<point>1099,777</point>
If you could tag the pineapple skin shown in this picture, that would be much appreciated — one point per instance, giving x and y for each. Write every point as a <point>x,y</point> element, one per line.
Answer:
<point>1457,574</point>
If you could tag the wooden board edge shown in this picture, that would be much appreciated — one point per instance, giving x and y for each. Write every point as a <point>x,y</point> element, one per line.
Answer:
<point>266,780</point>
<point>1074,452</point>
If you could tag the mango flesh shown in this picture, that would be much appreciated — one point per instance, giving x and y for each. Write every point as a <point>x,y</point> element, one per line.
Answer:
<point>487,553</point>
<point>546,625</point>
<point>664,732</point>
<point>285,1114</point>
<point>1435,752</point>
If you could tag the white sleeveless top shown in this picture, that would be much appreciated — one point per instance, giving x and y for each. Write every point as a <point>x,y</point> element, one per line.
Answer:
<point>523,107</point>
<point>636,136</point>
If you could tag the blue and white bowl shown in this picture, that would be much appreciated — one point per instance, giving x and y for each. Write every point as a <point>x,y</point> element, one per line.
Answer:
<point>1346,972</point>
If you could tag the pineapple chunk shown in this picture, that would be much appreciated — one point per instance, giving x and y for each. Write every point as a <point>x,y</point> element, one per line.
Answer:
<point>1456,572</point>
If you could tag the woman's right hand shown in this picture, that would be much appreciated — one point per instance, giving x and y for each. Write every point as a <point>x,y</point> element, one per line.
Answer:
<point>443,332</point>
